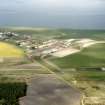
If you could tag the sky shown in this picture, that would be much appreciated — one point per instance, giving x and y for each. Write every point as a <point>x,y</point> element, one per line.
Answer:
<point>88,14</point>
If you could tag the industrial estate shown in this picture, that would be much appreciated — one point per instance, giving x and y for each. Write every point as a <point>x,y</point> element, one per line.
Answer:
<point>52,66</point>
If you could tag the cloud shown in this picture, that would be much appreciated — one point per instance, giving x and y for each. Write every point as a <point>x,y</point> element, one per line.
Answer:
<point>72,3</point>
<point>53,7</point>
<point>51,4</point>
<point>53,12</point>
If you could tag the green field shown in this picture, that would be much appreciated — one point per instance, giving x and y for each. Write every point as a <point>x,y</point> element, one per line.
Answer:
<point>92,83</point>
<point>93,56</point>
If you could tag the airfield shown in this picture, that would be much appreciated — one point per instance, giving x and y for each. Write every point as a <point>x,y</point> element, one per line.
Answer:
<point>78,61</point>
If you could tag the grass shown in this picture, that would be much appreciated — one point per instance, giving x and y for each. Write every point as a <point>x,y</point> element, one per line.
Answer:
<point>9,50</point>
<point>84,75</point>
<point>90,57</point>
<point>91,75</point>
<point>92,83</point>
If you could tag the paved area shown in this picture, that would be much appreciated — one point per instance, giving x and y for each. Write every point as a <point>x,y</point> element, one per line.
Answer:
<point>49,90</point>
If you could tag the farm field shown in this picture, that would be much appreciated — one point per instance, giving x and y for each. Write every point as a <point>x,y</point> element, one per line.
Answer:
<point>91,82</point>
<point>9,50</point>
<point>15,73</point>
<point>14,81</point>
<point>92,56</point>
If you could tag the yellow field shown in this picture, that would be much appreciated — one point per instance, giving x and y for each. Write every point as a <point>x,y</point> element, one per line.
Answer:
<point>8,50</point>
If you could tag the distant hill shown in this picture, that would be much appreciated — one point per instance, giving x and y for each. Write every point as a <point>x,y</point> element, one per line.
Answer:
<point>56,33</point>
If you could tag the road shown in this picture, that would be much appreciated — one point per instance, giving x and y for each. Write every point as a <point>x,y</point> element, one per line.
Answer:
<point>54,70</point>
